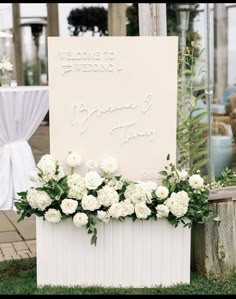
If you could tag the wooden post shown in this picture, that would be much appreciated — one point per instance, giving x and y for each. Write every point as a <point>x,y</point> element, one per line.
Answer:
<point>117,19</point>
<point>17,43</point>
<point>152,19</point>
<point>221,48</point>
<point>213,246</point>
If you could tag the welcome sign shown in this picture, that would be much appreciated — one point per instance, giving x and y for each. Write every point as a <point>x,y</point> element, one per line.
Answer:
<point>114,96</point>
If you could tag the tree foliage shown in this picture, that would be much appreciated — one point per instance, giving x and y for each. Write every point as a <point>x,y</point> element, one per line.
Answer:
<point>85,19</point>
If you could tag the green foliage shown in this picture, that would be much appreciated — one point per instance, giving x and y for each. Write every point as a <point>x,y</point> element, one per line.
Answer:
<point>83,19</point>
<point>227,178</point>
<point>191,132</point>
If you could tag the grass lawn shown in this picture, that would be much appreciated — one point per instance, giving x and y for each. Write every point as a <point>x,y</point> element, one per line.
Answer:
<point>19,277</point>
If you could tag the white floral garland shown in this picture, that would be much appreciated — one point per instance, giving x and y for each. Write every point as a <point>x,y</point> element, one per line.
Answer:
<point>101,196</point>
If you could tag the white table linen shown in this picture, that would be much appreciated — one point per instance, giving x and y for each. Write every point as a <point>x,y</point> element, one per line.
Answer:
<point>22,109</point>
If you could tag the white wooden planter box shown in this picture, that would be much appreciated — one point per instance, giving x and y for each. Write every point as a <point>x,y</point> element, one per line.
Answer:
<point>129,254</point>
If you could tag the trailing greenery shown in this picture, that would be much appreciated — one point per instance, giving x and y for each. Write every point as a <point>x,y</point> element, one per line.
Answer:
<point>191,132</point>
<point>19,278</point>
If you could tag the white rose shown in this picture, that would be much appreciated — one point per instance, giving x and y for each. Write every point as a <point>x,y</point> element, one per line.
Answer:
<point>196,181</point>
<point>148,188</point>
<point>127,208</point>
<point>49,169</point>
<point>107,196</point>
<point>93,180</point>
<point>109,165</point>
<point>183,174</point>
<point>116,210</point>
<point>80,219</point>
<point>34,177</point>
<point>90,202</point>
<point>92,164</point>
<point>52,215</point>
<point>77,188</point>
<point>162,211</point>
<point>38,199</point>
<point>142,211</point>
<point>69,206</point>
<point>104,216</point>
<point>73,160</point>
<point>162,192</point>
<point>135,193</point>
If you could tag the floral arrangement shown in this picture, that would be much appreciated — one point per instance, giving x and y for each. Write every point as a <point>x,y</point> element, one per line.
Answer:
<point>6,68</point>
<point>101,195</point>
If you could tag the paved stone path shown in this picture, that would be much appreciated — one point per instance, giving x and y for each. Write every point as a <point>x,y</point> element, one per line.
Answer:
<point>17,240</point>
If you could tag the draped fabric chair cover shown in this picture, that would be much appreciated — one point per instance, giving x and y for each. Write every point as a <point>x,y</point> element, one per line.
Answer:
<point>22,109</point>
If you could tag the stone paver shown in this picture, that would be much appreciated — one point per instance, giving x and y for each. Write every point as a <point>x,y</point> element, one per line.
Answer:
<point>17,240</point>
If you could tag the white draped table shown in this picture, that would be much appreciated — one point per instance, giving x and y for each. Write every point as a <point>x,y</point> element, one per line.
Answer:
<point>22,109</point>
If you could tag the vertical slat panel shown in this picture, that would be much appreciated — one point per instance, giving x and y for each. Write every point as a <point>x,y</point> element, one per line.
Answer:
<point>186,255</point>
<point>147,253</point>
<point>176,254</point>
<point>108,265</point>
<point>168,230</point>
<point>137,253</point>
<point>127,252</point>
<point>156,251</point>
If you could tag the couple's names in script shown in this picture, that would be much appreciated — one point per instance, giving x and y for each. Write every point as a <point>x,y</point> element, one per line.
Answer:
<point>124,130</point>
<point>89,61</point>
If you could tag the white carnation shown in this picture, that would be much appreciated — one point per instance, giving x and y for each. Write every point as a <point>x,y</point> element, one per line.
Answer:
<point>77,188</point>
<point>109,165</point>
<point>49,169</point>
<point>93,180</point>
<point>162,192</point>
<point>116,210</point>
<point>73,160</point>
<point>162,211</point>
<point>53,216</point>
<point>142,211</point>
<point>90,202</point>
<point>69,206</point>
<point>92,164</point>
<point>38,199</point>
<point>104,216</point>
<point>196,181</point>
<point>177,203</point>
<point>107,196</point>
<point>135,193</point>
<point>80,219</point>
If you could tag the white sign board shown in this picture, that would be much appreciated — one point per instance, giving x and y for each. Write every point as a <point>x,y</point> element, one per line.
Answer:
<point>114,96</point>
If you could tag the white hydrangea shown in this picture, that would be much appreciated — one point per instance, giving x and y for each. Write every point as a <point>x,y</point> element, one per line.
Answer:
<point>116,184</point>
<point>53,216</point>
<point>90,202</point>
<point>162,211</point>
<point>38,199</point>
<point>177,203</point>
<point>162,192</point>
<point>77,187</point>
<point>109,165</point>
<point>142,211</point>
<point>116,210</point>
<point>148,188</point>
<point>127,208</point>
<point>93,180</point>
<point>69,206</point>
<point>135,193</point>
<point>48,168</point>
<point>196,181</point>
<point>80,219</point>
<point>73,159</point>
<point>92,164</point>
<point>104,216</point>
<point>107,196</point>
